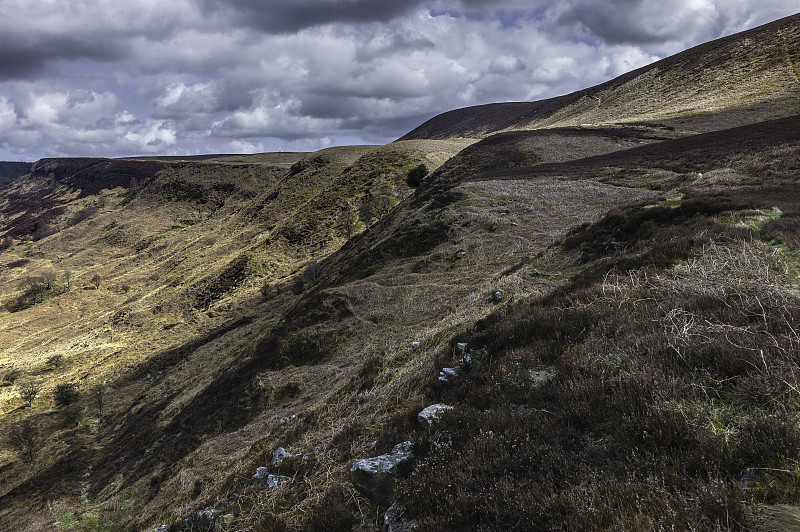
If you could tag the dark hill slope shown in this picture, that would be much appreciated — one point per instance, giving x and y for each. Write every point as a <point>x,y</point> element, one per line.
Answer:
<point>697,153</point>
<point>515,149</point>
<point>757,71</point>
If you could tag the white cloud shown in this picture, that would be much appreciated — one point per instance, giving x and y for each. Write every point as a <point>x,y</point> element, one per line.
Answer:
<point>102,77</point>
<point>8,117</point>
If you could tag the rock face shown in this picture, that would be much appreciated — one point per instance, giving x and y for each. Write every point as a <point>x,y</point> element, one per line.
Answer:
<point>267,479</point>
<point>375,478</point>
<point>429,417</point>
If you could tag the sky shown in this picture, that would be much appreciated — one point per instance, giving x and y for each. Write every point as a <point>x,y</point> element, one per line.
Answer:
<point>144,77</point>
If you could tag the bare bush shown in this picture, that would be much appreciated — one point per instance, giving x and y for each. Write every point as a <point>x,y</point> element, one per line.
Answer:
<point>24,439</point>
<point>29,390</point>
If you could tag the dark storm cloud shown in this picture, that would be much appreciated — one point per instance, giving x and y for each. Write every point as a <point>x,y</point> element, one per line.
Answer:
<point>22,56</point>
<point>286,16</point>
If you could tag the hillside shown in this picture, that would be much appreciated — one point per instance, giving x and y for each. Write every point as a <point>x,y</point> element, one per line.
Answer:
<point>607,296</point>
<point>747,77</point>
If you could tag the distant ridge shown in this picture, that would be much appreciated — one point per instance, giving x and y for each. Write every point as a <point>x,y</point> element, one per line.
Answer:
<point>10,171</point>
<point>747,70</point>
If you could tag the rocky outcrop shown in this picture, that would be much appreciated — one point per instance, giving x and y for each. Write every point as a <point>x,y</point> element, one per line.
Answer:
<point>375,478</point>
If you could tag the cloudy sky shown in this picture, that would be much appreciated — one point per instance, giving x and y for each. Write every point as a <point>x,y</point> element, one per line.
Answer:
<point>113,78</point>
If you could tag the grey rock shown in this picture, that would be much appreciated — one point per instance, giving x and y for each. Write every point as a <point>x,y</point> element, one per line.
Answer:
<point>461,254</point>
<point>232,499</point>
<point>224,522</point>
<point>496,297</point>
<point>267,479</point>
<point>448,374</point>
<point>541,376</point>
<point>461,346</point>
<point>204,519</point>
<point>286,419</point>
<point>415,345</point>
<point>375,478</point>
<point>429,417</point>
<point>280,456</point>
<point>394,520</point>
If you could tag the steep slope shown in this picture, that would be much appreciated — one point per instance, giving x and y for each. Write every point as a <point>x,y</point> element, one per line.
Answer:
<point>183,252</point>
<point>743,78</point>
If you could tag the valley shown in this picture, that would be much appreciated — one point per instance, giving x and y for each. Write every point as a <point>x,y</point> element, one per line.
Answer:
<point>611,276</point>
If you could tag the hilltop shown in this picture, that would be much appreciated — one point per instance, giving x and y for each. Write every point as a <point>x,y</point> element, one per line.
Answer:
<point>746,77</point>
<point>604,287</point>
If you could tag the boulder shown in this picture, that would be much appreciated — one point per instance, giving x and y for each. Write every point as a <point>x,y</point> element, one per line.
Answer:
<point>415,345</point>
<point>429,417</point>
<point>375,478</point>
<point>267,479</point>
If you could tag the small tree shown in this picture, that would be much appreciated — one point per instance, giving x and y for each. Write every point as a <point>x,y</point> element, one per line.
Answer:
<point>50,280</point>
<point>347,221</point>
<point>416,175</point>
<point>312,272</point>
<point>377,205</point>
<point>29,390</point>
<point>266,290</point>
<point>66,394</point>
<point>98,398</point>
<point>66,275</point>
<point>96,281</point>
<point>24,439</point>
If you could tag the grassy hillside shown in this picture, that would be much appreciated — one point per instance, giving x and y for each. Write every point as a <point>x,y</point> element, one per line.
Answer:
<point>747,77</point>
<point>627,292</point>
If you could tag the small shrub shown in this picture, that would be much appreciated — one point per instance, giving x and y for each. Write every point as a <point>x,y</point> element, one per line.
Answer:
<point>66,394</point>
<point>416,175</point>
<point>299,286</point>
<point>81,215</point>
<point>332,513</point>
<point>95,280</point>
<point>11,375</point>
<point>54,362</point>
<point>286,391</point>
